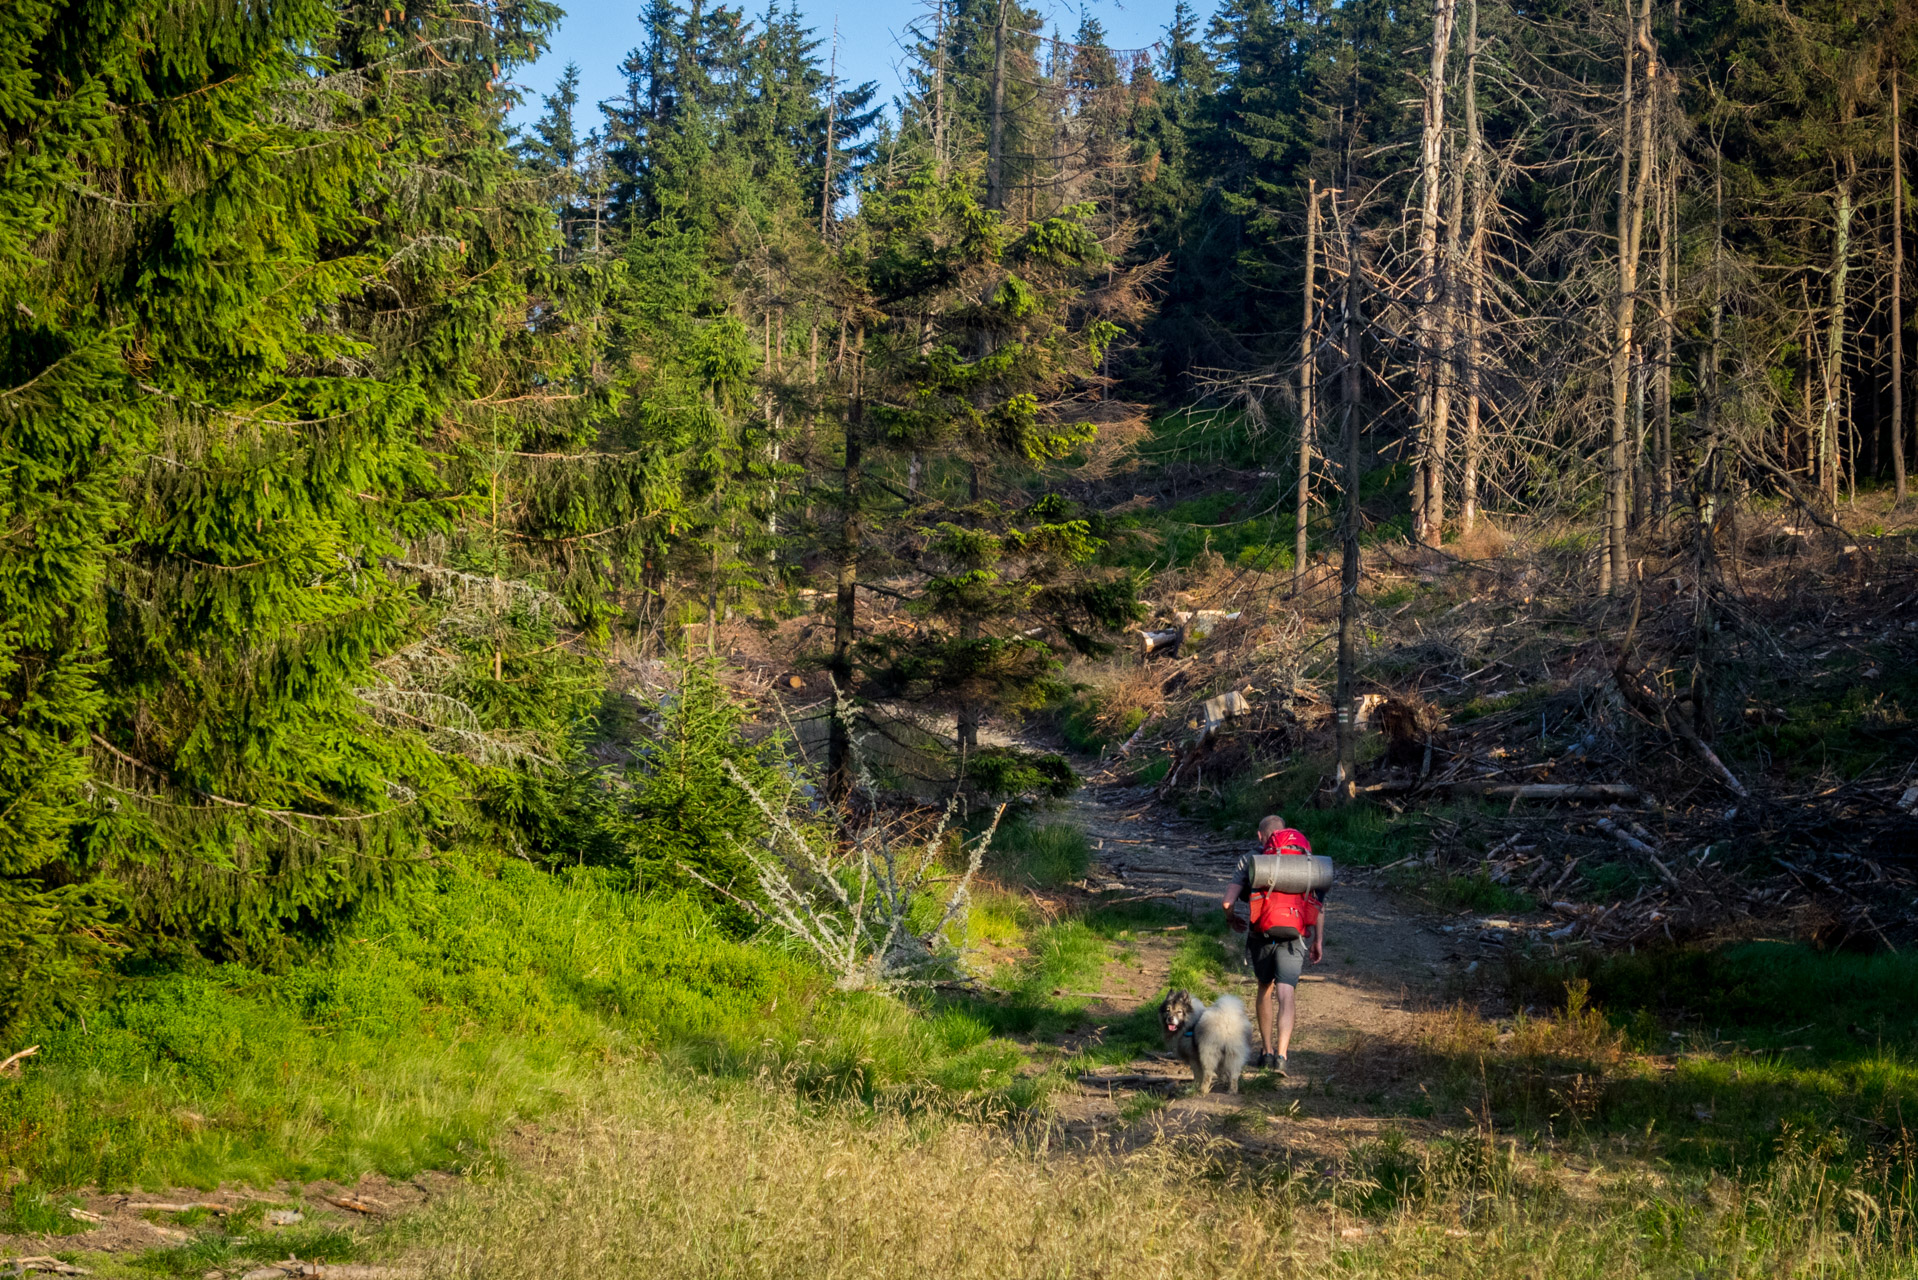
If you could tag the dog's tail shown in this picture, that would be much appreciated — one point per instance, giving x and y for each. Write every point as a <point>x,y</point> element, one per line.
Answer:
<point>1231,1007</point>
<point>1237,1033</point>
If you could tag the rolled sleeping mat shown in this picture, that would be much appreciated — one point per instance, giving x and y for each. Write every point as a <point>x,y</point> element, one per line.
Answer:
<point>1291,873</point>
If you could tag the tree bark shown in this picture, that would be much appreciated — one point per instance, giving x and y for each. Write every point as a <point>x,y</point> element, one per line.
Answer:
<point>1705,475</point>
<point>996,138</point>
<point>1614,569</point>
<point>1434,403</point>
<point>1667,342</point>
<point>1308,376</point>
<point>1897,294</point>
<point>832,105</point>
<point>1829,418</point>
<point>839,765</point>
<point>1475,268</point>
<point>1352,330</point>
<point>939,94</point>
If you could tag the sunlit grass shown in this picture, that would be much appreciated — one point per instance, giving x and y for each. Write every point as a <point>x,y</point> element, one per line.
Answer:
<point>674,1177</point>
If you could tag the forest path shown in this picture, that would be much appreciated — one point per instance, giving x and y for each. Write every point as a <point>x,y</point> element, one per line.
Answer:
<point>1385,960</point>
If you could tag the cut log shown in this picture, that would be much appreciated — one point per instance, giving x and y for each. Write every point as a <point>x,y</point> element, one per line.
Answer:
<point>1552,791</point>
<point>1166,642</point>
<point>1227,706</point>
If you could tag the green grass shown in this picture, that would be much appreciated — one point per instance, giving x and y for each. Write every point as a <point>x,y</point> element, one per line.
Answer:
<point>1078,719</point>
<point>1838,721</point>
<point>1746,1058</point>
<point>1360,834</point>
<point>1042,854</point>
<point>1758,991</point>
<point>32,1209</point>
<point>414,1038</point>
<point>1473,892</point>
<point>243,1238</point>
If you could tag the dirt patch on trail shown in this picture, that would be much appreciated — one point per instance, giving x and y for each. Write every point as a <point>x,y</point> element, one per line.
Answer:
<point>136,1222</point>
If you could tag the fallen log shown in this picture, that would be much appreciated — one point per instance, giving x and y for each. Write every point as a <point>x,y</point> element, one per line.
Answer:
<point>13,1063</point>
<point>185,1206</point>
<point>1539,791</point>
<point>1553,791</point>
<point>1627,839</point>
<point>19,1266</point>
<point>1167,641</point>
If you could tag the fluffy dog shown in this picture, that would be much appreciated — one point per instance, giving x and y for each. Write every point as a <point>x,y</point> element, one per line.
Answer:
<point>1216,1039</point>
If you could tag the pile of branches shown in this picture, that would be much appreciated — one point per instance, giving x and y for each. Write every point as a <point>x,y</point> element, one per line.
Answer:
<point>1772,868</point>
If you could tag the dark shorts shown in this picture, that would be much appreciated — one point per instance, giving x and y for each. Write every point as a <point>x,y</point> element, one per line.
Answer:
<point>1274,961</point>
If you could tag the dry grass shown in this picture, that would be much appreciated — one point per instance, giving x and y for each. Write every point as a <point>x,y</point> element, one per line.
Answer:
<point>668,1177</point>
<point>1121,689</point>
<point>1484,542</point>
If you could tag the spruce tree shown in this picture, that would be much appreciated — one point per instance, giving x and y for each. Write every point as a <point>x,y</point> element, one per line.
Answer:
<point>976,339</point>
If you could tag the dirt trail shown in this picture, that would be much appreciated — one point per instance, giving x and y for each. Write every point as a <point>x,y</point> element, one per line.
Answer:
<point>1383,961</point>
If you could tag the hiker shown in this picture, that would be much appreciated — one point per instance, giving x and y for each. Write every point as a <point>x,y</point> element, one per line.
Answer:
<point>1282,932</point>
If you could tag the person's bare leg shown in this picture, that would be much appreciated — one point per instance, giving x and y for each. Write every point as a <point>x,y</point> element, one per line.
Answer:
<point>1264,1006</point>
<point>1288,1006</point>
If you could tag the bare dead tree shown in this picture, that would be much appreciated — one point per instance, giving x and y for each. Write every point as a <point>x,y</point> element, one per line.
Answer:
<point>1434,337</point>
<point>1897,292</point>
<point>1634,145</point>
<point>1308,404</point>
<point>1352,357</point>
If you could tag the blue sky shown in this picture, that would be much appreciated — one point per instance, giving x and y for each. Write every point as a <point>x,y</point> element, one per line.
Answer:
<point>598,33</point>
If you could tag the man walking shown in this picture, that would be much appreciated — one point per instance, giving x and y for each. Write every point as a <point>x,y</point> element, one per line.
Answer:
<point>1282,932</point>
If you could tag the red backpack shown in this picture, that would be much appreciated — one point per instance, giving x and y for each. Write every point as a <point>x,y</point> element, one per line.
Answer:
<point>1284,916</point>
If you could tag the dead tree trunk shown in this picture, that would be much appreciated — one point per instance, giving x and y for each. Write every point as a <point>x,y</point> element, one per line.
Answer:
<point>1667,340</point>
<point>1308,377</point>
<point>1434,402</point>
<point>939,92</point>
<point>839,746</point>
<point>1828,418</point>
<point>1897,294</point>
<point>1614,569</point>
<point>1475,293</point>
<point>1705,474</point>
<point>1353,341</point>
<point>996,136</point>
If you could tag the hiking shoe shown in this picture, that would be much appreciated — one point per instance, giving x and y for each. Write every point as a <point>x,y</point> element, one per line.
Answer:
<point>1266,1059</point>
<point>1278,1064</point>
